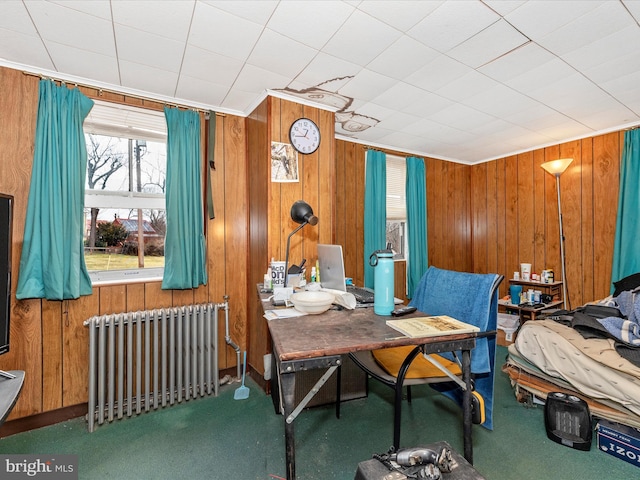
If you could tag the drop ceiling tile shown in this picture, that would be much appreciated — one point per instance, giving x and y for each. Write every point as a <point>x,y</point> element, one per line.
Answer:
<point>402,58</point>
<point>148,49</point>
<point>538,19</point>
<point>366,85</point>
<point>312,23</point>
<point>328,70</point>
<point>206,65</point>
<point>427,104</point>
<point>258,80</point>
<point>398,96</point>
<point>96,8</point>
<point>400,14</point>
<point>606,51</point>
<point>540,77</point>
<point>212,29</point>
<point>149,79</point>
<point>504,7</point>
<point>172,20</point>
<point>24,49</point>
<point>236,102</point>
<point>398,121</point>
<point>373,110</point>
<point>15,17</point>
<point>257,11</point>
<point>84,64</point>
<point>267,54</point>
<point>517,63</point>
<point>489,44</point>
<point>361,39</point>
<point>89,32</point>
<point>592,26</point>
<point>452,23</point>
<point>465,86</point>
<point>461,117</point>
<point>499,101</point>
<point>437,73</point>
<point>206,92</point>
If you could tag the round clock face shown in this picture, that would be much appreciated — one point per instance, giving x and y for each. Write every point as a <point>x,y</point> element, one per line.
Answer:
<point>304,135</point>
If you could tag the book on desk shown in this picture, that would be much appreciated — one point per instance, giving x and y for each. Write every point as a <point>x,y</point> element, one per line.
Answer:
<point>431,326</point>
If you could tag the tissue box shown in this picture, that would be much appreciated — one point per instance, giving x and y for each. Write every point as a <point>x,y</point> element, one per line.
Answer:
<point>619,440</point>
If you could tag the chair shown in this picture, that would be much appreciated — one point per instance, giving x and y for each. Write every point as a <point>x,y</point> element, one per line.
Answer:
<point>469,297</point>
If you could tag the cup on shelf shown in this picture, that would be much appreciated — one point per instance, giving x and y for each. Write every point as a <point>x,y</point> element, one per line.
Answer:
<point>515,291</point>
<point>525,271</point>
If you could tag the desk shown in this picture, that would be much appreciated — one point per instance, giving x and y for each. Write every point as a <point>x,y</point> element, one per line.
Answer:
<point>318,341</point>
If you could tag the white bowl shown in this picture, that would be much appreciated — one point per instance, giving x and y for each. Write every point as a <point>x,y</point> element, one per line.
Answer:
<point>312,302</point>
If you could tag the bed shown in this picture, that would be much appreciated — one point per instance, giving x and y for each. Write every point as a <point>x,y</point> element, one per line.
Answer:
<point>557,355</point>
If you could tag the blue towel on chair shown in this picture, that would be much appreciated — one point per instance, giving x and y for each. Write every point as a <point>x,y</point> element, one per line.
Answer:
<point>471,298</point>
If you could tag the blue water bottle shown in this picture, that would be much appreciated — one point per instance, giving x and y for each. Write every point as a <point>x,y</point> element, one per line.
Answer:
<point>382,260</point>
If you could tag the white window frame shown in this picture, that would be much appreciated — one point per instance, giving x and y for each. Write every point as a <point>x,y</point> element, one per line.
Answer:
<point>113,119</point>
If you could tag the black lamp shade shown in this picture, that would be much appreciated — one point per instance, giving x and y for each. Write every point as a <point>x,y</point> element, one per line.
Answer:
<point>301,212</point>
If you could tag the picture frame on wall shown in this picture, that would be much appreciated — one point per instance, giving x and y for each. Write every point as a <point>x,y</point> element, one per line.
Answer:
<point>284,163</point>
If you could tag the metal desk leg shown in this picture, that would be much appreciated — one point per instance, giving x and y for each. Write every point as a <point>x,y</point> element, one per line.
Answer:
<point>466,406</point>
<point>288,387</point>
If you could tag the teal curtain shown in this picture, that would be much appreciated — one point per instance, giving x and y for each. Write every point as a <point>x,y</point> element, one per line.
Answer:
<point>416,191</point>
<point>184,247</point>
<point>626,249</point>
<point>375,210</point>
<point>52,263</point>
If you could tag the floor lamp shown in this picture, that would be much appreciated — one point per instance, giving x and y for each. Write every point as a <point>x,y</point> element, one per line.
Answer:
<point>557,168</point>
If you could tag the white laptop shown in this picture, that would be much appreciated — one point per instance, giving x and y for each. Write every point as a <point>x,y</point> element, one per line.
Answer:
<point>332,274</point>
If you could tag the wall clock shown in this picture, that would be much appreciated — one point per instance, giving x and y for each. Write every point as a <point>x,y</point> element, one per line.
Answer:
<point>304,135</point>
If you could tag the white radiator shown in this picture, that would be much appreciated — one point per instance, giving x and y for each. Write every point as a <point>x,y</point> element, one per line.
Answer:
<point>139,361</point>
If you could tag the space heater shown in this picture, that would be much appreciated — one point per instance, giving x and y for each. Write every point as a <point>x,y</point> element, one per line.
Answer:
<point>567,420</point>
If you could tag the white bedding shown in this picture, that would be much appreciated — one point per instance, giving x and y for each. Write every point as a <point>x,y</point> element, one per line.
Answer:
<point>591,367</point>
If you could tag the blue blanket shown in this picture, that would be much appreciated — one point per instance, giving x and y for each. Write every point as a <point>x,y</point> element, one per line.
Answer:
<point>625,330</point>
<point>471,298</point>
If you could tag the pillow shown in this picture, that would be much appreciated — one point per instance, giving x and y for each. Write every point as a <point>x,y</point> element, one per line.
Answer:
<point>390,359</point>
<point>627,283</point>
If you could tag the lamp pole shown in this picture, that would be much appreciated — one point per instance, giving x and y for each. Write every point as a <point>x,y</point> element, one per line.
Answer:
<point>562,258</point>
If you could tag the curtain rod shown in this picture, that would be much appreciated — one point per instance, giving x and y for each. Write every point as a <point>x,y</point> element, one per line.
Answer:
<point>102,90</point>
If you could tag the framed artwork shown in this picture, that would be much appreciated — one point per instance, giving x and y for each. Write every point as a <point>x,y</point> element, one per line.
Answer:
<point>284,163</point>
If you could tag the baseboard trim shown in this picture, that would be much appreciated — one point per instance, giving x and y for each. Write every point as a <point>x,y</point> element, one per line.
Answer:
<point>44,419</point>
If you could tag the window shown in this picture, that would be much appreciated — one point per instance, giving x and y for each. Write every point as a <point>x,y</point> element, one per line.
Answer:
<point>125,193</point>
<point>397,206</point>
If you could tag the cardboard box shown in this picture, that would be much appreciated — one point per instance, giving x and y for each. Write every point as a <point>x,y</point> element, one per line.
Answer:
<point>619,440</point>
<point>506,338</point>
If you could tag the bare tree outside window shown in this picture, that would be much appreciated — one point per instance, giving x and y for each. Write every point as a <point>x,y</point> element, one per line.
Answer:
<point>103,160</point>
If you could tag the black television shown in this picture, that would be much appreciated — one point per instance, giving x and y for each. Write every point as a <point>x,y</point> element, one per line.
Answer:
<point>6,225</point>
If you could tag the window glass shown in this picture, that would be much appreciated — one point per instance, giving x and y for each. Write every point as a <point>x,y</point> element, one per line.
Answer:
<point>396,205</point>
<point>124,193</point>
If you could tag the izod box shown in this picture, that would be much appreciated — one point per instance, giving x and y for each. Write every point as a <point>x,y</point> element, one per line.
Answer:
<point>619,440</point>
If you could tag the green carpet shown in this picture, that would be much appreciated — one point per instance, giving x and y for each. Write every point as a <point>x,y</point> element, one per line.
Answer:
<point>223,438</point>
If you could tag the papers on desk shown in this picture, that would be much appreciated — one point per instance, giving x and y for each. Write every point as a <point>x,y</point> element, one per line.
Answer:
<point>431,326</point>
<point>282,313</point>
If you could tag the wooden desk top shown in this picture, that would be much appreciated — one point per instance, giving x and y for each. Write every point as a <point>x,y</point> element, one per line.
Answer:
<point>340,332</point>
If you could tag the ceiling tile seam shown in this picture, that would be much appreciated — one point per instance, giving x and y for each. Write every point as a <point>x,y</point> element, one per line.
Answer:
<point>184,51</point>
<point>44,44</point>
<point>115,43</point>
<point>321,49</point>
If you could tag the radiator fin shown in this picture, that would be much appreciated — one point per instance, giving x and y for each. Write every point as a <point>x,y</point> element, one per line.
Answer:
<point>145,360</point>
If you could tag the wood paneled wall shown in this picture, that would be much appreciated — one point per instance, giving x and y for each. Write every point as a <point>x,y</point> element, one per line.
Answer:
<point>270,202</point>
<point>515,214</point>
<point>48,339</point>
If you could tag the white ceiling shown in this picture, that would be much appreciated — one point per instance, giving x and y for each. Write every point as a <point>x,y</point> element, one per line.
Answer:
<point>461,80</point>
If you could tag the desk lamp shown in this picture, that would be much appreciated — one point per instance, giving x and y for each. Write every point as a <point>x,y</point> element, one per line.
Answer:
<point>301,213</point>
<point>557,168</point>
